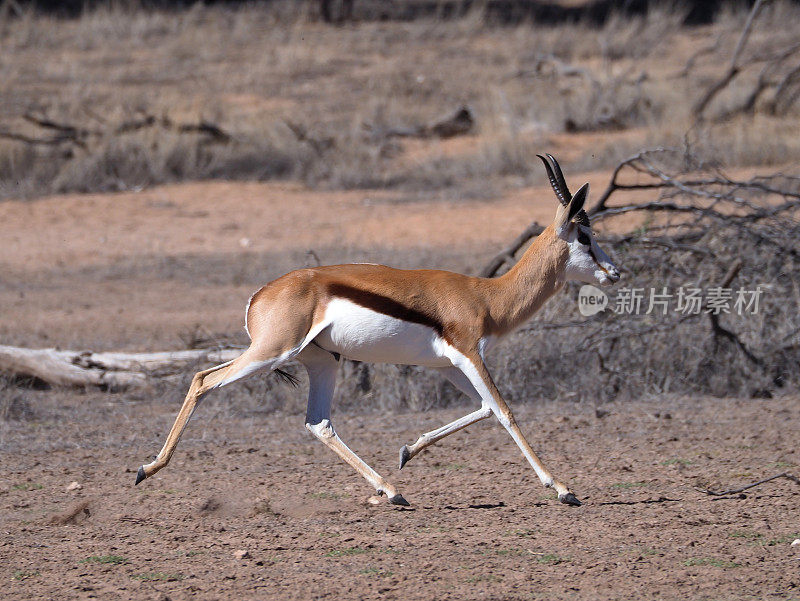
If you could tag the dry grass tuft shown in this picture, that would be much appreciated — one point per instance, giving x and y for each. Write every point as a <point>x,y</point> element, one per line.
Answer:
<point>263,73</point>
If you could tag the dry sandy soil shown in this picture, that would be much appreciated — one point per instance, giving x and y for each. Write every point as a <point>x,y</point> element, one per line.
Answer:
<point>479,525</point>
<point>140,270</point>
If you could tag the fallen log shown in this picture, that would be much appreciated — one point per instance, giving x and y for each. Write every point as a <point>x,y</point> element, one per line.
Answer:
<point>113,371</point>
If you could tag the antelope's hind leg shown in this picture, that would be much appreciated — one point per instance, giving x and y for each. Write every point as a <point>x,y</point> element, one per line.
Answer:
<point>246,364</point>
<point>322,367</point>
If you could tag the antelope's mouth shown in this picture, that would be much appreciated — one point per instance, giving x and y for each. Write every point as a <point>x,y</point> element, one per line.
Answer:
<point>613,277</point>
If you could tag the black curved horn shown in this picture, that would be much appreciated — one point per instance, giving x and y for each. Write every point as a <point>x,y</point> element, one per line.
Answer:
<point>560,176</point>
<point>556,178</point>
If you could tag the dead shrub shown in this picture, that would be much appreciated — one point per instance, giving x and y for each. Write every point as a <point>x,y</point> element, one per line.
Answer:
<point>702,224</point>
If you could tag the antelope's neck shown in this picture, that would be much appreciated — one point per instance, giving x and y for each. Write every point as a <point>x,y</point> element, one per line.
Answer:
<point>520,292</point>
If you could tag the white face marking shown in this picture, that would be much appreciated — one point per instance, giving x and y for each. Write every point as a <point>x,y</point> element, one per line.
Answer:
<point>362,334</point>
<point>587,263</point>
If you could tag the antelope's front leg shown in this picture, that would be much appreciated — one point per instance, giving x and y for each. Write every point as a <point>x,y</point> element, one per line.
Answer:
<point>475,370</point>
<point>457,379</point>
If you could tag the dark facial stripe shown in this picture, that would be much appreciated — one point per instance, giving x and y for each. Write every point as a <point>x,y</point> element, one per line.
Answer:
<point>385,305</point>
<point>596,262</point>
<point>582,219</point>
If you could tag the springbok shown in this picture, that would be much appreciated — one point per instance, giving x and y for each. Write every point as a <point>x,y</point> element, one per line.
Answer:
<point>436,319</point>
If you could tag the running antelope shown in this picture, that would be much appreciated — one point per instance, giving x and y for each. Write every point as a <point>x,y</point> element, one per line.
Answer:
<point>438,319</point>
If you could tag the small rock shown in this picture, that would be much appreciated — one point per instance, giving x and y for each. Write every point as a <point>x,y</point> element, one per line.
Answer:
<point>241,554</point>
<point>74,486</point>
<point>796,542</point>
<point>374,500</point>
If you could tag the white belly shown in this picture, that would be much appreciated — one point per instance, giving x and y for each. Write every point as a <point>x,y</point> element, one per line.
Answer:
<point>365,335</point>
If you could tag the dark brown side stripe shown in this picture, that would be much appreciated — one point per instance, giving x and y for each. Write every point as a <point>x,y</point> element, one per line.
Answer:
<point>385,305</point>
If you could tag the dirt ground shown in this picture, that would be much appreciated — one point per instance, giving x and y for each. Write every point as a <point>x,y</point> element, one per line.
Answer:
<point>139,270</point>
<point>479,525</point>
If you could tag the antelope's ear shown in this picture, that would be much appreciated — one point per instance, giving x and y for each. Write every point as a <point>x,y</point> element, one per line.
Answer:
<point>577,202</point>
<point>565,214</point>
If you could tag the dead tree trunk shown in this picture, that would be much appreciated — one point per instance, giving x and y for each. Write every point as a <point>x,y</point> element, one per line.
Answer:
<point>114,371</point>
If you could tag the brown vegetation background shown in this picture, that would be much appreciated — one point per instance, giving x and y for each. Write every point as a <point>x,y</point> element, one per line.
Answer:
<point>157,166</point>
<point>123,99</point>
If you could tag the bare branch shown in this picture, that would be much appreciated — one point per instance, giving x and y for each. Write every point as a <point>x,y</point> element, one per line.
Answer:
<point>692,60</point>
<point>782,91</point>
<point>717,197</point>
<point>67,133</point>
<point>614,185</point>
<point>54,141</point>
<point>734,491</point>
<point>765,82</point>
<point>734,68</point>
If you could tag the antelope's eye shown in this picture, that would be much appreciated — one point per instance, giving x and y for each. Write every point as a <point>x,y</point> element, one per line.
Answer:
<point>583,238</point>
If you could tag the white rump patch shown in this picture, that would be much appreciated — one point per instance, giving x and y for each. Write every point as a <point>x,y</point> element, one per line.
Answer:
<point>362,334</point>
<point>247,310</point>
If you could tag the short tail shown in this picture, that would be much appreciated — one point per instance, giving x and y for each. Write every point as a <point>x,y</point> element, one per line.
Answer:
<point>288,378</point>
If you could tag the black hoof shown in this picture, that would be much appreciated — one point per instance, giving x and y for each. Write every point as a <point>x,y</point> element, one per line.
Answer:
<point>140,475</point>
<point>569,499</point>
<point>404,456</point>
<point>399,500</point>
